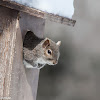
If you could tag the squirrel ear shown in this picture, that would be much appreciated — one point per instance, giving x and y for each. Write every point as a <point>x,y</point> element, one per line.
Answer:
<point>58,43</point>
<point>46,43</point>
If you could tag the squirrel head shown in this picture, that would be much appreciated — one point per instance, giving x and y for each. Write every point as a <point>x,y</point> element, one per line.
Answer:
<point>50,51</point>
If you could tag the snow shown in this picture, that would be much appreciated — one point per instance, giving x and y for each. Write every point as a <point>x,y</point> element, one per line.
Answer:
<point>61,7</point>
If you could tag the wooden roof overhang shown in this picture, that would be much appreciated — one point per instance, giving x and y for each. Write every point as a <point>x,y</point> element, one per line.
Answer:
<point>37,13</point>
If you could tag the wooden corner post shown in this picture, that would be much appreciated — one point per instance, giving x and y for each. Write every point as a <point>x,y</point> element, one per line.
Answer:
<point>8,29</point>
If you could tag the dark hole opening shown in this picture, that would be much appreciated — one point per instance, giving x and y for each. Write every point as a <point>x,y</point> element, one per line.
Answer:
<point>31,40</point>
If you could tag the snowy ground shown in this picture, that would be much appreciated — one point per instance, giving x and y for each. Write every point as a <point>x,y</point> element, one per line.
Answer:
<point>61,7</point>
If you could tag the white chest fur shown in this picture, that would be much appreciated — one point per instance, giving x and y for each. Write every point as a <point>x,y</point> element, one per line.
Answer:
<point>27,65</point>
<point>39,61</point>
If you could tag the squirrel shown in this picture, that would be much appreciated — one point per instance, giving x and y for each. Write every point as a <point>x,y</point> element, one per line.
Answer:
<point>38,52</point>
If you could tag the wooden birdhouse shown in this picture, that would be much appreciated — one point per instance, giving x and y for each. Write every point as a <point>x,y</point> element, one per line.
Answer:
<point>17,82</point>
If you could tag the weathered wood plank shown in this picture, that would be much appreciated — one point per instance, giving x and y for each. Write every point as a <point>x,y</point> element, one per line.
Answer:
<point>9,24</point>
<point>59,19</point>
<point>20,86</point>
<point>24,82</point>
<point>37,13</point>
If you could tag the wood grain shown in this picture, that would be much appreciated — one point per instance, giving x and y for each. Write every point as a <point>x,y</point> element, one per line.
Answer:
<point>9,24</point>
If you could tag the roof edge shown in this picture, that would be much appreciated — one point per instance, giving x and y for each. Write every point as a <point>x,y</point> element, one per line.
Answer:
<point>37,13</point>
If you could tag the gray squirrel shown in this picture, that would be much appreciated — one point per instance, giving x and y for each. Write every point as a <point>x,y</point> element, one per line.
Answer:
<point>38,52</point>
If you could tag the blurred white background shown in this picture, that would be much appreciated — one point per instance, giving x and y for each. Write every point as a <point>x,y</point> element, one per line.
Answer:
<point>77,75</point>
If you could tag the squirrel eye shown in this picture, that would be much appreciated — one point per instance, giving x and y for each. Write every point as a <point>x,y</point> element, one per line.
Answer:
<point>49,52</point>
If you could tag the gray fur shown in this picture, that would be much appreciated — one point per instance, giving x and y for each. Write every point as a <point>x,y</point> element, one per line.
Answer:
<point>37,57</point>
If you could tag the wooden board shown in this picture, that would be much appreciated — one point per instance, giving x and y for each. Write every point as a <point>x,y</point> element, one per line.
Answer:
<point>24,82</point>
<point>37,13</point>
<point>8,28</point>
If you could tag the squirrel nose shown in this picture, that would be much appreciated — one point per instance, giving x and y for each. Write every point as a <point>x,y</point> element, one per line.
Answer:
<point>55,62</point>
